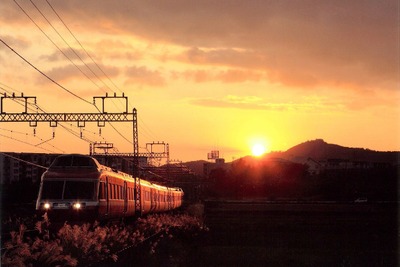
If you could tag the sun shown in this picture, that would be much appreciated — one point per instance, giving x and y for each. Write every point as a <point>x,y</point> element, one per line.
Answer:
<point>258,150</point>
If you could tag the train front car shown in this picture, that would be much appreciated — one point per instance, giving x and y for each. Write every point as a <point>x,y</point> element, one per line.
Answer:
<point>69,188</point>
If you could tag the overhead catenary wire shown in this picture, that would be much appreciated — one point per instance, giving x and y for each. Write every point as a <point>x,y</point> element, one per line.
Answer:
<point>119,133</point>
<point>15,139</point>
<point>48,37</point>
<point>73,50</point>
<point>52,80</point>
<point>66,128</point>
<point>20,102</point>
<point>41,139</point>
<point>27,162</point>
<point>80,44</point>
<point>95,64</point>
<point>45,75</point>
<point>73,132</point>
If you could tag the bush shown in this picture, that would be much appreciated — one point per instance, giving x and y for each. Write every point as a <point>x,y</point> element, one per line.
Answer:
<point>83,245</point>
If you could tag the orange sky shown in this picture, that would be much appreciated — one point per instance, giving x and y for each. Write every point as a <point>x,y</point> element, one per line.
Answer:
<point>208,75</point>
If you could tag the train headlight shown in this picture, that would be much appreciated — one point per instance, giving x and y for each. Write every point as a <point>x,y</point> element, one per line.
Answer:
<point>46,206</point>
<point>77,206</point>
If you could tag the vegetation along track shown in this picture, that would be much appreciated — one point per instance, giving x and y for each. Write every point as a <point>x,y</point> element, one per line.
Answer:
<point>93,244</point>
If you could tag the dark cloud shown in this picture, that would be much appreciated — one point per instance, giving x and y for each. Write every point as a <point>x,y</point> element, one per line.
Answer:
<point>297,43</point>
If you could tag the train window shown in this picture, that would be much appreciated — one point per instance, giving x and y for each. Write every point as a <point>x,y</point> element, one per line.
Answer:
<point>115,191</point>
<point>102,191</point>
<point>82,161</point>
<point>73,160</point>
<point>52,189</point>
<point>110,190</point>
<point>62,161</point>
<point>79,190</point>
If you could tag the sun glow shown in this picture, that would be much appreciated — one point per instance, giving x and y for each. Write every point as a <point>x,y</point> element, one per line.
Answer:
<point>258,150</point>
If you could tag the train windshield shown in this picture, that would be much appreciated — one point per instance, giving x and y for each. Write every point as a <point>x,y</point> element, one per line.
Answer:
<point>52,189</point>
<point>73,161</point>
<point>79,190</point>
<point>68,190</point>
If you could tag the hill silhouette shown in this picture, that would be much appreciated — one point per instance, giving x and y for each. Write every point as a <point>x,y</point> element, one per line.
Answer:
<point>318,149</point>
<point>288,174</point>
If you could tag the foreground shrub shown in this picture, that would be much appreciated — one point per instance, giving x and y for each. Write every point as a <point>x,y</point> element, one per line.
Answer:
<point>87,244</point>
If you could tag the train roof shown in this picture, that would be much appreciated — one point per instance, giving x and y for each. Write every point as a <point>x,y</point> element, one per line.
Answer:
<point>75,160</point>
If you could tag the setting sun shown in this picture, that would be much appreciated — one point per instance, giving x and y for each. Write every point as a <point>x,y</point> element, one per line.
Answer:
<point>258,149</point>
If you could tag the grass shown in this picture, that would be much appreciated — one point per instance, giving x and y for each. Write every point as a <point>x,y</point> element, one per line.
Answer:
<point>88,244</point>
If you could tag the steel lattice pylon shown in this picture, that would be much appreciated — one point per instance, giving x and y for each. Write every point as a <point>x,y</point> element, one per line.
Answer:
<point>80,118</point>
<point>66,117</point>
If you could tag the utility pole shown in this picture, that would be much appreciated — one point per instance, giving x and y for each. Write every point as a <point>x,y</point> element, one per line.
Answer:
<point>137,193</point>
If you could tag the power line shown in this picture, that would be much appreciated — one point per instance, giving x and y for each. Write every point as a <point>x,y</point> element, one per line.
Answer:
<point>65,56</point>
<point>39,108</point>
<point>73,50</point>
<point>15,139</point>
<point>59,17</point>
<point>146,128</point>
<point>39,144</point>
<point>48,37</point>
<point>79,135</point>
<point>80,44</point>
<point>27,162</point>
<point>45,75</point>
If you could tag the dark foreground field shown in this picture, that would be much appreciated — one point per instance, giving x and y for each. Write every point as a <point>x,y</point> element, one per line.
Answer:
<point>299,234</point>
<point>249,233</point>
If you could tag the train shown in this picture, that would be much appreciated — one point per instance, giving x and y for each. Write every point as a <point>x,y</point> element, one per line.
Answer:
<point>78,187</point>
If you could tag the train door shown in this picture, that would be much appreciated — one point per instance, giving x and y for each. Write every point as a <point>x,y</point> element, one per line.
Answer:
<point>152,199</point>
<point>125,196</point>
<point>169,199</point>
<point>107,196</point>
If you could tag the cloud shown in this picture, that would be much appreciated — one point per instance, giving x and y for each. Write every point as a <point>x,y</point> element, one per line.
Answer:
<point>143,76</point>
<point>304,44</point>
<point>17,42</point>
<point>88,73</point>
<point>224,76</point>
<point>315,104</point>
<point>67,54</point>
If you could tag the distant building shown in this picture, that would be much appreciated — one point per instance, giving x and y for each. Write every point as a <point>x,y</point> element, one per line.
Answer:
<point>314,167</point>
<point>23,167</point>
<point>218,164</point>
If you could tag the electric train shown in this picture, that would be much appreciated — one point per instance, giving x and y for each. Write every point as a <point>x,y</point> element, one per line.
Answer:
<point>79,187</point>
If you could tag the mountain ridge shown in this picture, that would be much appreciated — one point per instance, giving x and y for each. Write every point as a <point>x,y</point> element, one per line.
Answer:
<point>319,150</point>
